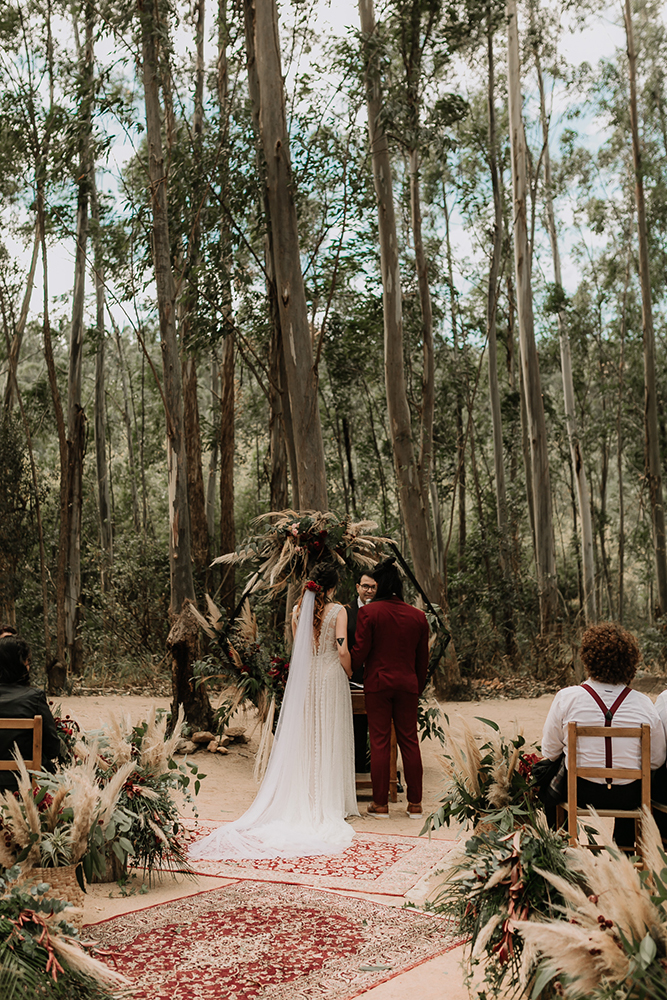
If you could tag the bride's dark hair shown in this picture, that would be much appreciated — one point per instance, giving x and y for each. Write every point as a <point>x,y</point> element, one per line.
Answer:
<point>325,575</point>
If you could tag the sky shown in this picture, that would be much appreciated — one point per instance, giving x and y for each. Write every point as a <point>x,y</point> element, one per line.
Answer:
<point>590,45</point>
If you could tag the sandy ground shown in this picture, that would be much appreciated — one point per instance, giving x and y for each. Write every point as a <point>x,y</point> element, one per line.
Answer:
<point>229,788</point>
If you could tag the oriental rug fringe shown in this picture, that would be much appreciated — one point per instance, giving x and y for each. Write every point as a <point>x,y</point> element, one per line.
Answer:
<point>373,863</point>
<point>252,941</point>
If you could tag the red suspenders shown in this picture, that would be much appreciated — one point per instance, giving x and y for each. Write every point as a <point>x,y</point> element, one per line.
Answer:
<point>608,716</point>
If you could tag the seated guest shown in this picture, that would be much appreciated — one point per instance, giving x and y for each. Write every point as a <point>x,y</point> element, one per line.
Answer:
<point>18,700</point>
<point>610,656</point>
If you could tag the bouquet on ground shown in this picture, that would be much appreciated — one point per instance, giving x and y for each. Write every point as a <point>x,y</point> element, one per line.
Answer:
<point>485,777</point>
<point>144,755</point>
<point>65,818</point>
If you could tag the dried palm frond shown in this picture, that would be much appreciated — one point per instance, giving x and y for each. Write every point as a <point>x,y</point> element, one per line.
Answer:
<point>79,960</point>
<point>215,616</point>
<point>202,622</point>
<point>499,794</point>
<point>15,820</point>
<point>27,795</point>
<point>53,811</point>
<point>583,954</point>
<point>108,796</point>
<point>246,624</point>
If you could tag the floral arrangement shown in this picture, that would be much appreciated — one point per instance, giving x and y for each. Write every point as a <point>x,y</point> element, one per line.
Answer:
<point>40,954</point>
<point>608,941</point>
<point>69,732</point>
<point>143,754</point>
<point>505,876</point>
<point>291,543</point>
<point>259,675</point>
<point>484,777</point>
<point>65,818</point>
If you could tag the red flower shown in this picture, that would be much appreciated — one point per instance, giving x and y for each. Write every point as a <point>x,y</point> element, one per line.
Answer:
<point>315,587</point>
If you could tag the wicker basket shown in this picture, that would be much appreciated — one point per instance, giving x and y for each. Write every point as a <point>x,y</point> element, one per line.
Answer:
<point>63,885</point>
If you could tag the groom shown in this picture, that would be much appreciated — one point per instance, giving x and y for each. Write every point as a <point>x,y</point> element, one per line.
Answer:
<point>392,642</point>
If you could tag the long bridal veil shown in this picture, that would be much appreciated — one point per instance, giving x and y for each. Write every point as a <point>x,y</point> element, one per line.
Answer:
<point>298,811</point>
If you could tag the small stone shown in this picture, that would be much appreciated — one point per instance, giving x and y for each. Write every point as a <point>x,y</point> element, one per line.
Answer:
<point>224,741</point>
<point>236,735</point>
<point>213,746</point>
<point>203,737</point>
<point>222,750</point>
<point>186,746</point>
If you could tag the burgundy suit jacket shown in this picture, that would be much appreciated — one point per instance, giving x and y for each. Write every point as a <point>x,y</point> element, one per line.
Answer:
<point>392,642</point>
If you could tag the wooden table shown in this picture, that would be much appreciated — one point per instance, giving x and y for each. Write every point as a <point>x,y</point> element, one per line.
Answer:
<point>359,708</point>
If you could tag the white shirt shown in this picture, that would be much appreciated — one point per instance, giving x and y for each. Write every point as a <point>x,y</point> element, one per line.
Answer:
<point>661,709</point>
<point>575,704</point>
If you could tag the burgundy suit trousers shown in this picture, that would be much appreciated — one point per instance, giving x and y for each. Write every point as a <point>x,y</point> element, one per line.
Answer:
<point>381,708</point>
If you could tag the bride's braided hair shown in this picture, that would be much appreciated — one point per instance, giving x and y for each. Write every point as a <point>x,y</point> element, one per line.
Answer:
<point>325,576</point>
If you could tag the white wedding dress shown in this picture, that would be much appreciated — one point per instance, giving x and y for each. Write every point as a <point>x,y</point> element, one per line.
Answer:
<point>309,785</point>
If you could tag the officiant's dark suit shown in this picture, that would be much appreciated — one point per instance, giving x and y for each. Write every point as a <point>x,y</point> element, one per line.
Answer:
<point>366,588</point>
<point>392,643</point>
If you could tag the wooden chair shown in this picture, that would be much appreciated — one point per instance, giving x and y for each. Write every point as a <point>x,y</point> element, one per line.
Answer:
<point>574,771</point>
<point>35,763</point>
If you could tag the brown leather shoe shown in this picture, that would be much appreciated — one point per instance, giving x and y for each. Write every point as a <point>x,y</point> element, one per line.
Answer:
<point>415,810</point>
<point>380,812</point>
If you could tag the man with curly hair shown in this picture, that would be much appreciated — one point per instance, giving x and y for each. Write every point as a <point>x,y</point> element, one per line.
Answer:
<point>610,655</point>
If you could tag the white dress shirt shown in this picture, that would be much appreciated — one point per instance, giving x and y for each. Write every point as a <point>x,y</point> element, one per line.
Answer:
<point>661,709</point>
<point>575,704</point>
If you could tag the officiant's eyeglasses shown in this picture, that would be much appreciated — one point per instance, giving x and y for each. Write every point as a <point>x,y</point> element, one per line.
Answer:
<point>368,586</point>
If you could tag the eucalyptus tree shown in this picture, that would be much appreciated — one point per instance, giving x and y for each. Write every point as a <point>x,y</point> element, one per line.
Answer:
<point>267,92</point>
<point>536,40</point>
<point>541,485</point>
<point>651,430</point>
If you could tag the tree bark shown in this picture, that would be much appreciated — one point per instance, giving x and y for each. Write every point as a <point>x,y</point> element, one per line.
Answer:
<point>301,377</point>
<point>414,504</point>
<point>17,337</point>
<point>576,454</point>
<point>544,542</point>
<point>196,703</point>
<point>651,434</point>
<point>100,409</point>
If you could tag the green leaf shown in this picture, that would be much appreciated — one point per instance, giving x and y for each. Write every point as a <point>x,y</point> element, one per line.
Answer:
<point>647,951</point>
<point>488,722</point>
<point>545,974</point>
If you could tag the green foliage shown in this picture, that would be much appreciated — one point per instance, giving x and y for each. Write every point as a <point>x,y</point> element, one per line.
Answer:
<point>30,966</point>
<point>501,878</point>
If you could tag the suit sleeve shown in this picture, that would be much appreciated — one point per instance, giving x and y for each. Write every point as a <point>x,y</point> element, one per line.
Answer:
<point>51,746</point>
<point>421,657</point>
<point>363,639</point>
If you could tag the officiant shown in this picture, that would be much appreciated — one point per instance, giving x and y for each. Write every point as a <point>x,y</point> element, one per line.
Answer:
<point>366,590</point>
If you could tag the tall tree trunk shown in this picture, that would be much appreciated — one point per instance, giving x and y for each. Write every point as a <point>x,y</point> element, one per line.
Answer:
<point>460,432</point>
<point>227,367</point>
<point>76,419</point>
<point>619,447</point>
<point>127,421</point>
<point>181,642</point>
<point>544,542</point>
<point>651,435</point>
<point>493,293</point>
<point>579,469</point>
<point>413,504</point>
<point>301,377</point>
<point>227,524</point>
<point>17,336</point>
<point>212,476</point>
<point>100,409</point>
<point>200,546</point>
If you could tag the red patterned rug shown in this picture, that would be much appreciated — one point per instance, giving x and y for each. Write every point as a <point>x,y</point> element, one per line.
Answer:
<point>253,941</point>
<point>374,862</point>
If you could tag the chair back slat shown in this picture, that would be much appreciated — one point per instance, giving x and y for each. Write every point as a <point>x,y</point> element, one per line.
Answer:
<point>574,770</point>
<point>35,763</point>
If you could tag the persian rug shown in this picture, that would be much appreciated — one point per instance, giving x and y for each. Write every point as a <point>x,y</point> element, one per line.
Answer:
<point>252,941</point>
<point>373,863</point>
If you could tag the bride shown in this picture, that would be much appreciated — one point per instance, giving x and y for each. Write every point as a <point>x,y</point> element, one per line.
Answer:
<point>309,786</point>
